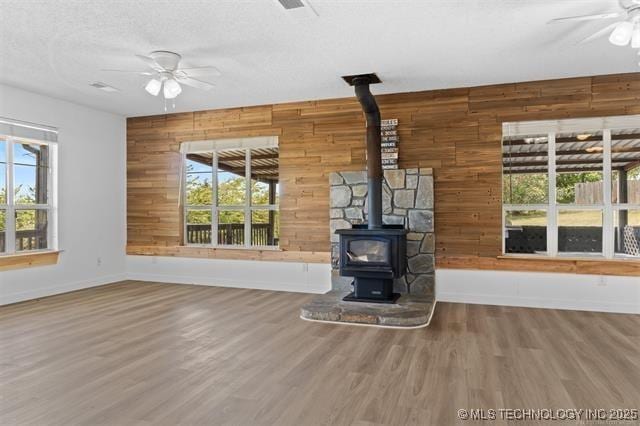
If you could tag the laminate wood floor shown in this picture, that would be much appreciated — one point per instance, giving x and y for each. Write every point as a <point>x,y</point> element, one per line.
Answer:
<point>156,354</point>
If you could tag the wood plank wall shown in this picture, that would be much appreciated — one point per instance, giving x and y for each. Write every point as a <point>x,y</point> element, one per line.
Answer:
<point>457,132</point>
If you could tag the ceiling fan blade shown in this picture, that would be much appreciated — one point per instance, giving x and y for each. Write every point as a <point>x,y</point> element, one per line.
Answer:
<point>197,71</point>
<point>606,15</point>
<point>193,82</point>
<point>151,62</point>
<point>130,72</point>
<point>599,34</point>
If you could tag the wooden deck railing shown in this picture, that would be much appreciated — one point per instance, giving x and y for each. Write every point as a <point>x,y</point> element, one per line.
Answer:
<point>232,234</point>
<point>27,240</point>
<point>228,234</point>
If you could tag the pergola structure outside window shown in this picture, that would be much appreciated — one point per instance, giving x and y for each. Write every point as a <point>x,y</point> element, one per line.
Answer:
<point>572,187</point>
<point>28,159</point>
<point>231,193</point>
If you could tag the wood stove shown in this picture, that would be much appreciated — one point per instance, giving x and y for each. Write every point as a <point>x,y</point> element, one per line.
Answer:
<point>374,254</point>
<point>374,257</point>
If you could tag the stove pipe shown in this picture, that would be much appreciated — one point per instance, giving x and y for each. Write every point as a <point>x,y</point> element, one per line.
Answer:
<point>373,140</point>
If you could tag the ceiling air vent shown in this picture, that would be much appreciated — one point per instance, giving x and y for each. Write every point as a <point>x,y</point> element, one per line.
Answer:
<point>103,87</point>
<point>291,4</point>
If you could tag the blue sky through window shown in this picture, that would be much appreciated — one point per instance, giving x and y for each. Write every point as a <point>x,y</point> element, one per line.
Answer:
<point>226,176</point>
<point>196,167</point>
<point>23,156</point>
<point>24,169</point>
<point>24,181</point>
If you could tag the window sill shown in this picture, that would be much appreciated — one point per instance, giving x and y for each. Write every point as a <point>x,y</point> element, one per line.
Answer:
<point>28,260</point>
<point>568,258</point>
<point>578,265</point>
<point>529,263</point>
<point>230,247</point>
<point>208,252</point>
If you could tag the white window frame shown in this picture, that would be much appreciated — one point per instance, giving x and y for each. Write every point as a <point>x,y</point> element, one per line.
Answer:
<point>213,147</point>
<point>10,208</point>
<point>552,207</point>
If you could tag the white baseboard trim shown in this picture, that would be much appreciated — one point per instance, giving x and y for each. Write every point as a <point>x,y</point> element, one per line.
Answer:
<point>253,284</point>
<point>259,275</point>
<point>595,293</point>
<point>532,302</point>
<point>507,288</point>
<point>6,299</point>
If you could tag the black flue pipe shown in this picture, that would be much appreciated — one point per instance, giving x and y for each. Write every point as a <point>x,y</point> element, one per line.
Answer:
<point>373,140</point>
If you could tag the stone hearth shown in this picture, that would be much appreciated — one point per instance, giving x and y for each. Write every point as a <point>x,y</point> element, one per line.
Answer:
<point>407,199</point>
<point>410,311</point>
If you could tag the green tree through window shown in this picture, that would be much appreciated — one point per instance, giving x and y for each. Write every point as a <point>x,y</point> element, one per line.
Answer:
<point>219,209</point>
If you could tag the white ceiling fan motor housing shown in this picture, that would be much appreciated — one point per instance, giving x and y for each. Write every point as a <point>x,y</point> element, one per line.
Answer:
<point>167,60</point>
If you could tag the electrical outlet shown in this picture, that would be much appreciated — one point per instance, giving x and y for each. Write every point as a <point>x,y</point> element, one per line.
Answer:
<point>99,261</point>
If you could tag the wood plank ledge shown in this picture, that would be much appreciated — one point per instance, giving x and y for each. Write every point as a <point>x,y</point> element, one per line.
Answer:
<point>232,254</point>
<point>533,264</point>
<point>28,260</point>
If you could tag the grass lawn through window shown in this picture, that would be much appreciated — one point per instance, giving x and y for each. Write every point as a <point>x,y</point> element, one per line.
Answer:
<point>576,218</point>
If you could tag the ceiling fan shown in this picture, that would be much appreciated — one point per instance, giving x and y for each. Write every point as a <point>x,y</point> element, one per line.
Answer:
<point>166,74</point>
<point>622,32</point>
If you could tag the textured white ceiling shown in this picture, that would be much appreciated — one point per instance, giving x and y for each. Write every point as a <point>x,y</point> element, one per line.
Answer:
<point>269,55</point>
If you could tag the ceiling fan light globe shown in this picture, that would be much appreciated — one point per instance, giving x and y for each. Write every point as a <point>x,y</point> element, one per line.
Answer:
<point>171,89</point>
<point>635,37</point>
<point>153,87</point>
<point>621,36</point>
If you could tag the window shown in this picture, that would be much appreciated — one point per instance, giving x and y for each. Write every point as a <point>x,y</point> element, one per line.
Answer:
<point>27,216</point>
<point>231,194</point>
<point>572,187</point>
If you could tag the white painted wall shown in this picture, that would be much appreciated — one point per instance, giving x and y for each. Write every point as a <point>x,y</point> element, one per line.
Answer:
<point>282,276</point>
<point>91,196</point>
<point>540,290</point>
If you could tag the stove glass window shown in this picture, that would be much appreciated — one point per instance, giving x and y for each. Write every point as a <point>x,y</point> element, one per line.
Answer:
<point>365,251</point>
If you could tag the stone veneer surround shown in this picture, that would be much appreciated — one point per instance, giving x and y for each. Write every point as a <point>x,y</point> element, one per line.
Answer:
<point>407,198</point>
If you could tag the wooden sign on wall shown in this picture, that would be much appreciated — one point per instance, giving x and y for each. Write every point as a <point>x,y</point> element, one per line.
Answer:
<point>389,145</point>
